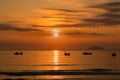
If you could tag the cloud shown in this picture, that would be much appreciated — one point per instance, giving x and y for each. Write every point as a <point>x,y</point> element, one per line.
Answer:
<point>74,26</point>
<point>64,10</point>
<point>104,21</point>
<point>83,33</point>
<point>104,14</point>
<point>114,5</point>
<point>111,16</point>
<point>8,27</point>
<point>72,33</point>
<point>51,12</point>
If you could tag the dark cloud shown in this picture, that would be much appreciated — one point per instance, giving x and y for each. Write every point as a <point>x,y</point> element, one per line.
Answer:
<point>104,21</point>
<point>111,16</point>
<point>64,25</point>
<point>83,33</point>
<point>7,27</point>
<point>108,6</point>
<point>91,25</point>
<point>67,10</point>
<point>37,26</point>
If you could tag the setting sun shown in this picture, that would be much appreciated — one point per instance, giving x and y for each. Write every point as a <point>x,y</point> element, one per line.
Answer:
<point>56,34</point>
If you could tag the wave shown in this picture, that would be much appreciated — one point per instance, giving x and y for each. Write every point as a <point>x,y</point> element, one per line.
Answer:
<point>62,72</point>
<point>63,79</point>
<point>60,64</point>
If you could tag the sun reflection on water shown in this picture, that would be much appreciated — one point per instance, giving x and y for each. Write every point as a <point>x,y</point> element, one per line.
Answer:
<point>56,60</point>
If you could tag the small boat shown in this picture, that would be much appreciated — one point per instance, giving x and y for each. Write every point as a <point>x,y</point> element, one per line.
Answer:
<point>67,53</point>
<point>87,53</point>
<point>18,53</point>
<point>114,54</point>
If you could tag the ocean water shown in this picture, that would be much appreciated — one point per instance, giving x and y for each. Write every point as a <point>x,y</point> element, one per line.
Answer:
<point>54,65</point>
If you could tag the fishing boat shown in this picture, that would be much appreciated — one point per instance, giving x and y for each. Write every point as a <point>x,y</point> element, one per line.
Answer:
<point>114,54</point>
<point>87,53</point>
<point>18,53</point>
<point>67,53</point>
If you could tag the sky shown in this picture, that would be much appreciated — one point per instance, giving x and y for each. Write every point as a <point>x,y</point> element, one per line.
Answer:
<point>59,24</point>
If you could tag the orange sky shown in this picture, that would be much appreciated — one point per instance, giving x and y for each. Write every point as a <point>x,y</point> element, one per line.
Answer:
<point>32,24</point>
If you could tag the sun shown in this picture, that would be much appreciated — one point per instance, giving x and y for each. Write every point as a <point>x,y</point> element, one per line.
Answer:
<point>55,34</point>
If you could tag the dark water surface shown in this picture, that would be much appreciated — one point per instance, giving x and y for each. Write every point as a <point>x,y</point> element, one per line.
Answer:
<point>100,65</point>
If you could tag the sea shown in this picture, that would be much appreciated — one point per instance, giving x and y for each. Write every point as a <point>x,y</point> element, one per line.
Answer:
<point>56,65</point>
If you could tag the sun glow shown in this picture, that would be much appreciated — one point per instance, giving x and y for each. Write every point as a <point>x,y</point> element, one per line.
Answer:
<point>56,32</point>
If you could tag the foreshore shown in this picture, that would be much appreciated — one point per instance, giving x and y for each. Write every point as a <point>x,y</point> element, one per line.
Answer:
<point>63,72</point>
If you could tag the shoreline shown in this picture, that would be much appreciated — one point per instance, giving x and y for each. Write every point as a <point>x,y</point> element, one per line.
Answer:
<point>63,72</point>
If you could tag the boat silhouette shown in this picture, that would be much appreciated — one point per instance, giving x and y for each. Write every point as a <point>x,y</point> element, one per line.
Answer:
<point>18,53</point>
<point>67,53</point>
<point>114,54</point>
<point>87,53</point>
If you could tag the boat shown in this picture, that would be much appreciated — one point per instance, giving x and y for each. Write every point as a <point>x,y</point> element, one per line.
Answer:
<point>114,54</point>
<point>87,53</point>
<point>18,53</point>
<point>67,53</point>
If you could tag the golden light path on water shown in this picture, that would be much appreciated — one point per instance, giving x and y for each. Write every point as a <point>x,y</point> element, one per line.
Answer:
<point>56,59</point>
